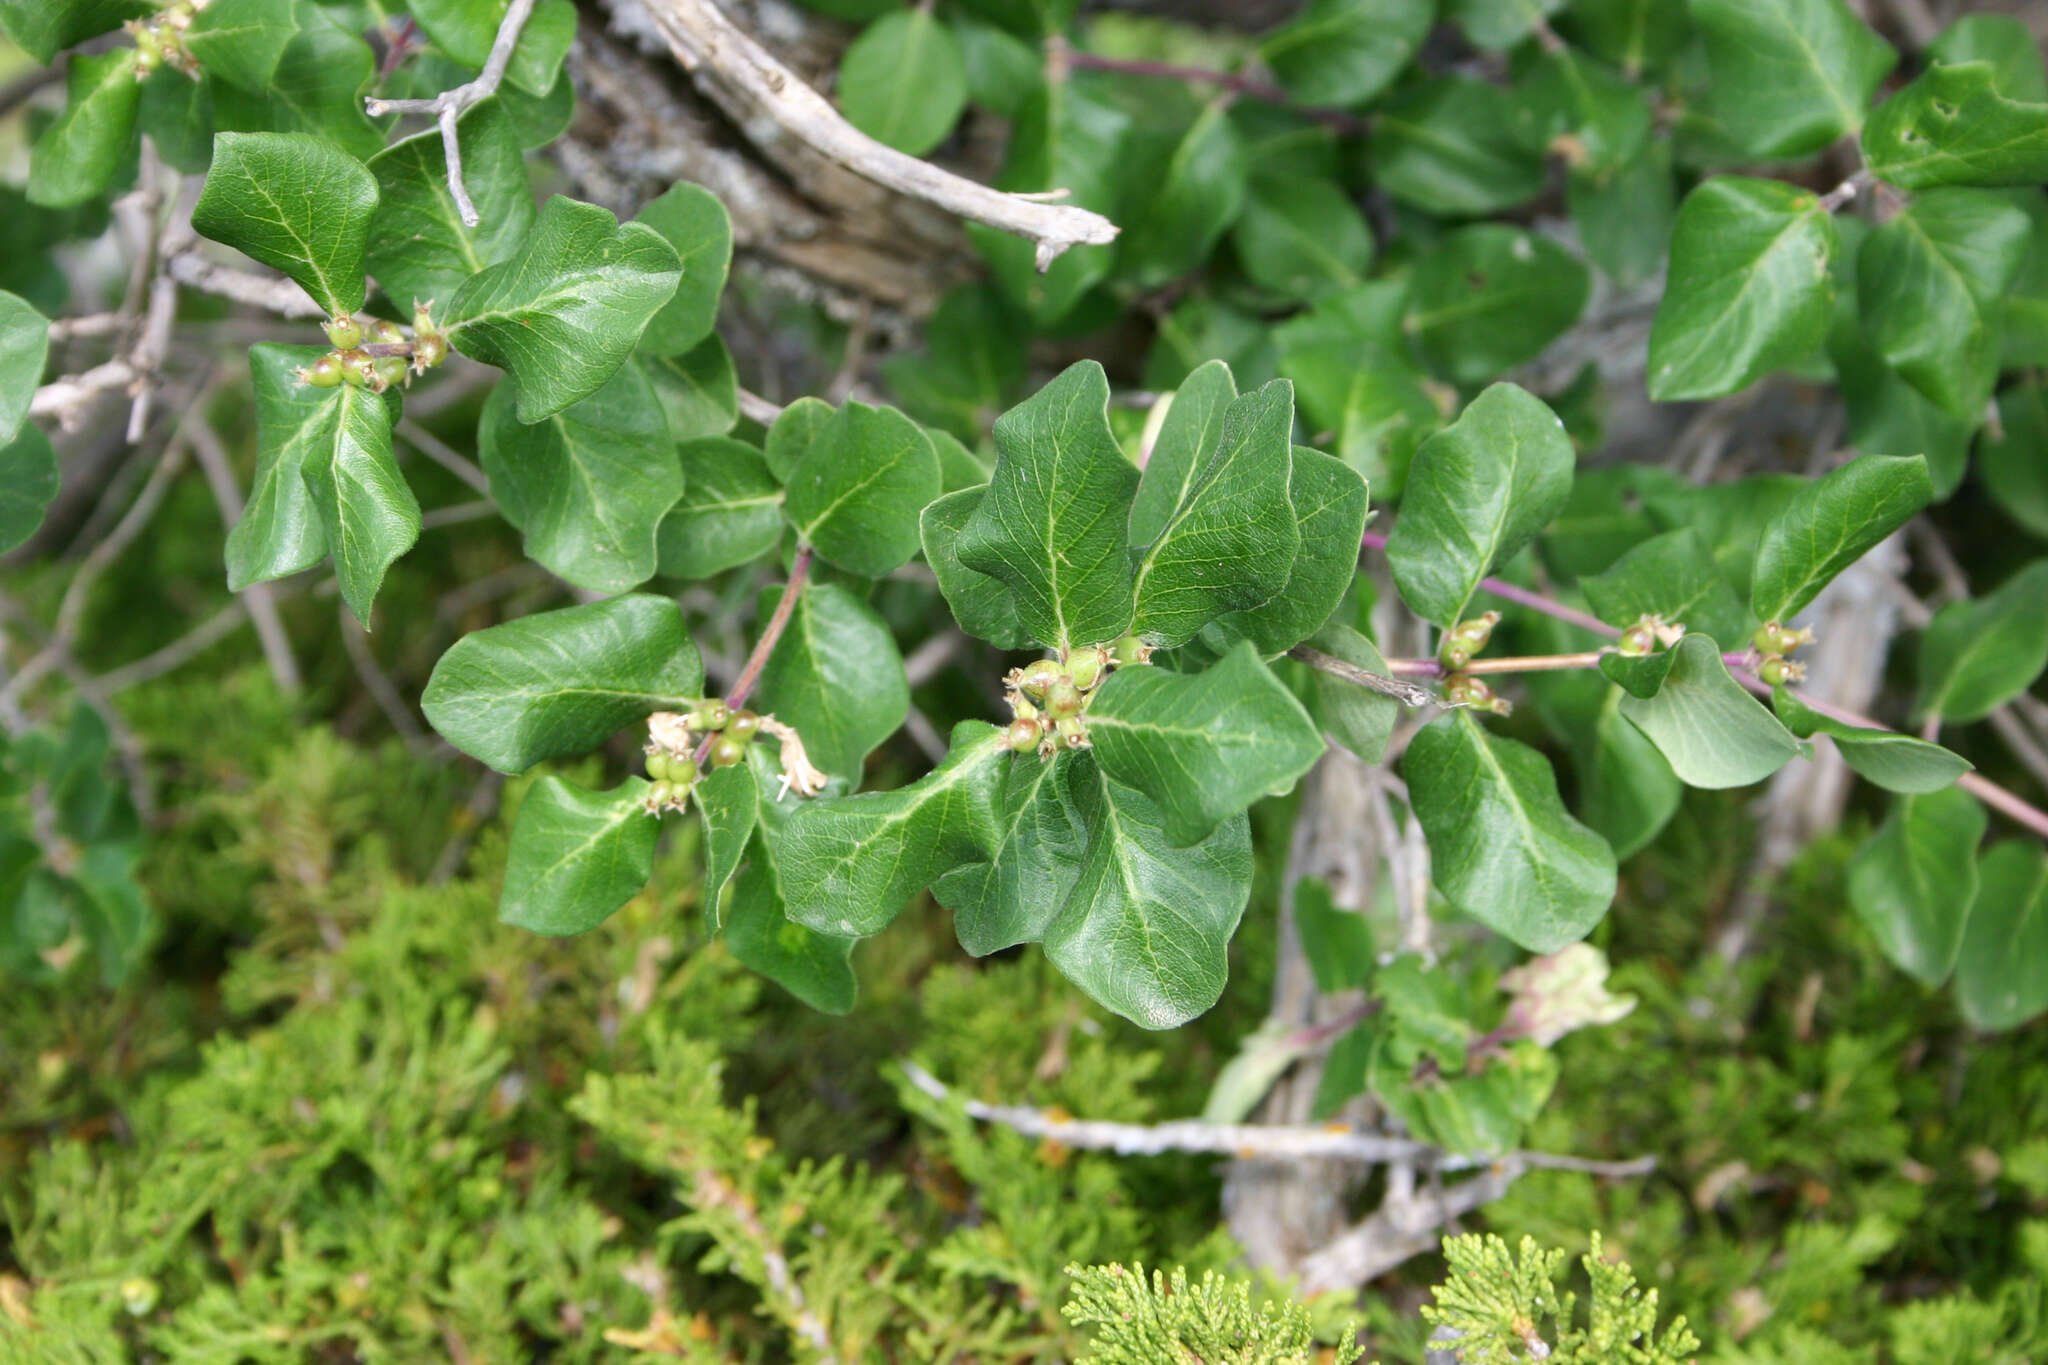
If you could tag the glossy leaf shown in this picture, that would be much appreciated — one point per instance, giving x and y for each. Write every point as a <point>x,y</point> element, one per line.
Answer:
<point>588,486</point>
<point>1178,211</point>
<point>562,682</point>
<point>695,223</point>
<point>1895,762</point>
<point>24,350</point>
<point>241,41</point>
<point>1146,930</point>
<point>28,484</point>
<point>576,856</point>
<point>979,602</point>
<point>2013,458</point>
<point>1202,746</point>
<point>1592,117</point>
<point>1831,523</point>
<point>1625,216</point>
<point>848,865</point>
<point>836,676</point>
<point>280,531</point>
<point>466,30</point>
<point>727,800</point>
<point>1502,847</point>
<point>1039,845</point>
<point>1673,576</point>
<point>856,493</point>
<point>1624,789</point>
<point>1449,149</point>
<point>1479,490</point>
<point>792,434</point>
<point>1490,297</point>
<point>1499,24</point>
<point>43,28</point>
<point>1977,655</point>
<point>1346,51</point>
<point>1051,526</point>
<point>1230,539</point>
<point>1635,35</point>
<point>1712,732</point>
<point>420,249</point>
<point>295,203</point>
<point>1953,126</point>
<point>1749,290</point>
<point>366,509</point>
<point>815,968</point>
<point>903,82</point>
<point>1302,238</point>
<point>2005,42</point>
<point>567,309</point>
<point>1929,283</point>
<point>730,511</point>
<point>2002,969</point>
<point>698,390</point>
<point>316,90</point>
<point>1913,884</point>
<point>1788,77</point>
<point>1329,509</point>
<point>78,156</point>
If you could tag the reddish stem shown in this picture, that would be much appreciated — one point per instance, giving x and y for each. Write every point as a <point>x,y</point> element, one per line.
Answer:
<point>743,686</point>
<point>1341,120</point>
<point>400,41</point>
<point>1522,597</point>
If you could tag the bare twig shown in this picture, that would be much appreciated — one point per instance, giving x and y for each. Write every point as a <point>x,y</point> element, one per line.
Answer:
<point>1283,1141</point>
<point>272,293</point>
<point>750,673</point>
<point>66,398</point>
<point>450,105</point>
<point>755,408</point>
<point>378,683</point>
<point>261,598</point>
<point>1412,694</point>
<point>703,39</point>
<point>92,325</point>
<point>178,652</point>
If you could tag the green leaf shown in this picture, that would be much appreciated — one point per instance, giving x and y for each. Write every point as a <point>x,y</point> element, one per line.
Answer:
<point>1500,24</point>
<point>466,30</point>
<point>113,911</point>
<point>1448,149</point>
<point>367,511</point>
<point>2026,301</point>
<point>1640,676</point>
<point>1625,790</point>
<point>1002,70</point>
<point>1673,576</point>
<point>24,350</point>
<point>1730,517</point>
<point>1230,540</point>
<point>576,856</point>
<point>1329,508</point>
<point>2009,457</point>
<point>2002,968</point>
<point>1749,290</point>
<point>849,865</point>
<point>2003,41</point>
<point>1635,35</point>
<point>694,222</point>
<point>241,41</point>
<point>903,82</point>
<point>1302,238</point>
<point>793,432</point>
<point>836,676</point>
<point>1040,843</point>
<point>730,512</point>
<point>1184,193</point>
<point>815,968</point>
<point>1202,746</point>
<point>698,390</point>
<point>979,602</point>
<point>28,484</point>
<point>1346,51</point>
<point>1490,297</point>
<point>43,28</point>
<point>1365,394</point>
<point>1895,762</point>
<point>1713,733</point>
<point>1479,490</point>
<point>177,112</point>
<point>1185,444</point>
<point>567,309</point>
<point>1928,285</point>
<point>587,487</point>
<point>1146,930</point>
<point>1625,216</point>
<point>1912,885</point>
<point>856,493</point>
<point>562,682</point>
<point>420,249</point>
<point>1589,115</point>
<point>296,204</point>
<point>1830,524</point>
<point>280,531</point>
<point>1336,941</point>
<point>317,88</point>
<point>1359,718</point>
<point>1953,126</point>
<point>1787,77</point>
<point>77,157</point>
<point>1978,655</point>
<point>728,800</point>
<point>1503,850</point>
<point>1051,526</point>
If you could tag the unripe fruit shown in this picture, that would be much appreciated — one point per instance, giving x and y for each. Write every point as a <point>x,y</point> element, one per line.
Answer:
<point>1063,699</point>
<point>1129,650</point>
<point>1465,690</point>
<point>743,726</point>
<point>1071,731</point>
<point>385,332</point>
<point>1637,641</point>
<point>147,58</point>
<point>1474,634</point>
<point>1086,664</point>
<point>1775,671</point>
<point>657,766</point>
<point>344,332</point>
<point>1037,676</point>
<point>356,366</point>
<point>1021,707</point>
<point>389,369</point>
<point>429,351</point>
<point>726,751</point>
<point>1023,735</point>
<point>323,373</point>
<point>1774,637</point>
<point>682,771</point>
<point>1454,655</point>
<point>710,715</point>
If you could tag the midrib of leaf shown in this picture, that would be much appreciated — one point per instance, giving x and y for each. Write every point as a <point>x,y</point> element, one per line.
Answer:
<point>1852,117</point>
<point>593,487</point>
<point>1750,275</point>
<point>305,247</point>
<point>1313,246</point>
<point>620,814</point>
<point>1485,303</point>
<point>1538,866</point>
<point>922,25</point>
<point>1297,34</point>
<point>1127,874</point>
<point>861,487</point>
<point>1967,655</point>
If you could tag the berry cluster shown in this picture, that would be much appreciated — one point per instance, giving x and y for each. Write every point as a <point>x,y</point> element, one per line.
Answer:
<point>160,41</point>
<point>1460,643</point>
<point>719,735</point>
<point>1049,697</point>
<point>1775,640</point>
<point>378,355</point>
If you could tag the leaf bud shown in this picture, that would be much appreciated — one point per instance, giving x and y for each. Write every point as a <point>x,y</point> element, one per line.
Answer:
<point>344,332</point>
<point>726,751</point>
<point>742,726</point>
<point>1023,735</point>
<point>1063,699</point>
<point>323,373</point>
<point>709,715</point>
<point>1086,665</point>
<point>1037,677</point>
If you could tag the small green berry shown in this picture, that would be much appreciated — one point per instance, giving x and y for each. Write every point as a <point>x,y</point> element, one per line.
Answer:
<point>1474,634</point>
<point>1037,676</point>
<point>743,726</point>
<point>323,373</point>
<point>1021,707</point>
<point>356,366</point>
<point>1023,735</point>
<point>344,332</point>
<point>1128,651</point>
<point>147,58</point>
<point>1071,731</point>
<point>1063,699</point>
<point>658,766</point>
<point>682,771</point>
<point>429,351</point>
<point>385,332</point>
<point>1776,671</point>
<point>389,370</point>
<point>1637,641</point>
<point>1454,654</point>
<point>710,715</point>
<point>1086,665</point>
<point>726,751</point>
